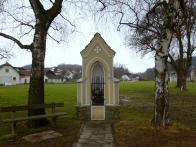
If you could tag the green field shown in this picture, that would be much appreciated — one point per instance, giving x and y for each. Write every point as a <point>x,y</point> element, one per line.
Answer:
<point>137,100</point>
<point>17,95</point>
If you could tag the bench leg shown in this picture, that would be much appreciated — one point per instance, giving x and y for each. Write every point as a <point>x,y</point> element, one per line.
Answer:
<point>13,128</point>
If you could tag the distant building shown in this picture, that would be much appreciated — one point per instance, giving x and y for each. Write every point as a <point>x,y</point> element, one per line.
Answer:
<point>193,74</point>
<point>10,75</point>
<point>173,77</point>
<point>25,76</point>
<point>69,75</point>
<point>54,77</point>
<point>190,77</point>
<point>125,78</point>
<point>135,77</point>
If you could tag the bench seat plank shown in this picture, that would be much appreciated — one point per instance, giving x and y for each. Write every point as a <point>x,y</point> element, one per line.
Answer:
<point>34,117</point>
<point>25,107</point>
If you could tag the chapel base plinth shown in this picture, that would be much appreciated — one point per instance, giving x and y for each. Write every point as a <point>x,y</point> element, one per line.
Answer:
<point>83,113</point>
<point>113,112</point>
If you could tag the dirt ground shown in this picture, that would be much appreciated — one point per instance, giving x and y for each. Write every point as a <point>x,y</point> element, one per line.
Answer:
<point>69,130</point>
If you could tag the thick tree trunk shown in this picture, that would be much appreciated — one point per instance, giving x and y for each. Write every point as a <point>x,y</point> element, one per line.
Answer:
<point>161,114</point>
<point>36,89</point>
<point>44,19</point>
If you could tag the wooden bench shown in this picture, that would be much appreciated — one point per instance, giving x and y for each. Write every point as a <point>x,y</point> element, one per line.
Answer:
<point>14,119</point>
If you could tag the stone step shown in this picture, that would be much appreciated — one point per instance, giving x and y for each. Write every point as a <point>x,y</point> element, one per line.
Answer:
<point>92,141</point>
<point>91,145</point>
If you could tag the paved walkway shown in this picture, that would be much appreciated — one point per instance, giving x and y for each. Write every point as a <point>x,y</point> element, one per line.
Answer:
<point>95,134</point>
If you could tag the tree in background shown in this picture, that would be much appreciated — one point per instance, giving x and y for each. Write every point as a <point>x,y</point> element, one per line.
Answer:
<point>31,21</point>
<point>142,15</point>
<point>148,74</point>
<point>184,38</point>
<point>182,43</point>
<point>120,70</point>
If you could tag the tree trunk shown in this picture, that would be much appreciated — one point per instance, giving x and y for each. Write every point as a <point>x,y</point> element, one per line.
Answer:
<point>44,19</point>
<point>184,77</point>
<point>181,80</point>
<point>181,74</point>
<point>36,89</point>
<point>161,114</point>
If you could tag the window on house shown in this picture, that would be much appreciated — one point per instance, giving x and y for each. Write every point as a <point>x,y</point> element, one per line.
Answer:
<point>14,78</point>
<point>6,70</point>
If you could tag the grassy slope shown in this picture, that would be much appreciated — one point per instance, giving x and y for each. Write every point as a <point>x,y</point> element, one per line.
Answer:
<point>135,128</point>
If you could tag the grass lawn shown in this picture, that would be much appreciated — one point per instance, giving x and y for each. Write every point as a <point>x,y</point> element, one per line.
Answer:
<point>134,128</point>
<point>17,95</point>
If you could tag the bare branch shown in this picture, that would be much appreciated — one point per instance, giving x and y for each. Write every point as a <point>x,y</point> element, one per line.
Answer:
<point>139,27</point>
<point>103,4</point>
<point>21,22</point>
<point>5,54</point>
<point>68,21</point>
<point>58,41</point>
<point>26,33</point>
<point>22,46</point>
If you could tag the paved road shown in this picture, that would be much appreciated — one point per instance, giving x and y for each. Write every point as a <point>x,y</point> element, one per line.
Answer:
<point>95,134</point>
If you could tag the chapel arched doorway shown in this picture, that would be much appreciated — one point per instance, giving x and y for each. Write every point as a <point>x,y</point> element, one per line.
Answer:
<point>97,84</point>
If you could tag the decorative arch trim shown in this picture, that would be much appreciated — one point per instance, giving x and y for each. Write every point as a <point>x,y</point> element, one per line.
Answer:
<point>97,59</point>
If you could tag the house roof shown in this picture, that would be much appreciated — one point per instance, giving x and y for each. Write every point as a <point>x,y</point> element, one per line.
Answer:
<point>93,41</point>
<point>25,72</point>
<point>51,75</point>
<point>6,64</point>
<point>21,71</point>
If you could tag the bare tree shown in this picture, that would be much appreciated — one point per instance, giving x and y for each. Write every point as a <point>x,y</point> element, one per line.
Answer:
<point>33,18</point>
<point>136,15</point>
<point>184,32</point>
<point>180,54</point>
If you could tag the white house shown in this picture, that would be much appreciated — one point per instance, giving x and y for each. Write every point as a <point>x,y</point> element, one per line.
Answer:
<point>9,75</point>
<point>24,76</point>
<point>173,77</point>
<point>125,78</point>
<point>191,76</point>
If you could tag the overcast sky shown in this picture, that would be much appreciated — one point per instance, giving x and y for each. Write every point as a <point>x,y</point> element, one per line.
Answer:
<point>69,53</point>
